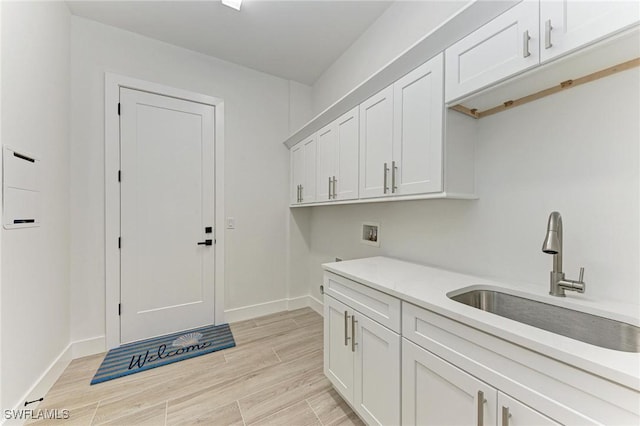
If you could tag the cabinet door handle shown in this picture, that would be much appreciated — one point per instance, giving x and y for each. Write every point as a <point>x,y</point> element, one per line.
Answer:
<point>547,34</point>
<point>346,328</point>
<point>525,44</point>
<point>329,187</point>
<point>505,416</point>
<point>386,169</point>
<point>353,333</point>
<point>334,187</point>
<point>301,193</point>
<point>394,168</point>
<point>481,401</point>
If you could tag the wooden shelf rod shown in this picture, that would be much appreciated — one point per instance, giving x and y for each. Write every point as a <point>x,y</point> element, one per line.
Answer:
<point>568,84</point>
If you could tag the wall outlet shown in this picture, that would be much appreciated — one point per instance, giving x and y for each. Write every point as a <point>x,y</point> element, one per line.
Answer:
<point>231,223</point>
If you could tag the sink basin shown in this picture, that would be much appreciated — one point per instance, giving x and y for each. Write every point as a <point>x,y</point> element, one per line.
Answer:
<point>588,328</point>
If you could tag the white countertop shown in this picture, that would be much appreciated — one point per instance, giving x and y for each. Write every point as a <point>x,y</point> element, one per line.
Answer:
<point>427,287</point>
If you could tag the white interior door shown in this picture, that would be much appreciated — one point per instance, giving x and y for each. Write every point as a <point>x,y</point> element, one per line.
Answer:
<point>167,201</point>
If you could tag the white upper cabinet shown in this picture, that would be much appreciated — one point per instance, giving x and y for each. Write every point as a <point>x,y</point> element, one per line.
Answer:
<point>417,134</point>
<point>297,161</point>
<point>566,25</point>
<point>327,144</point>
<point>303,171</point>
<point>376,133</point>
<point>345,183</point>
<point>401,131</point>
<point>338,159</point>
<point>503,47</point>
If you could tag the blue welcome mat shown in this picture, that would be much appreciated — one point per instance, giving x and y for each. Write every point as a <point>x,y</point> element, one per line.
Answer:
<point>140,356</point>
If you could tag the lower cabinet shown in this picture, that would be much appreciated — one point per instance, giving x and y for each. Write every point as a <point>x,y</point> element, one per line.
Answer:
<point>515,413</point>
<point>396,363</point>
<point>435,392</point>
<point>362,361</point>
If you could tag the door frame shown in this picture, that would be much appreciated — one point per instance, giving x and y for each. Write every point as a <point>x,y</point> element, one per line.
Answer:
<point>112,84</point>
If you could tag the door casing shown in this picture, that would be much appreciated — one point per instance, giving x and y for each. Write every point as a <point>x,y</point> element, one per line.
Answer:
<point>113,83</point>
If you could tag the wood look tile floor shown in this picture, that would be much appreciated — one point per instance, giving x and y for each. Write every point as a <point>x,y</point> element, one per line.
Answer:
<point>272,377</point>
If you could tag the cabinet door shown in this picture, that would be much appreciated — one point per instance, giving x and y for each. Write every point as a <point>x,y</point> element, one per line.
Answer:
<point>514,413</point>
<point>346,174</point>
<point>376,133</point>
<point>417,133</point>
<point>377,372</point>
<point>297,171</point>
<point>309,181</point>
<point>327,142</point>
<point>338,356</point>
<point>566,25</point>
<point>435,392</point>
<point>501,48</point>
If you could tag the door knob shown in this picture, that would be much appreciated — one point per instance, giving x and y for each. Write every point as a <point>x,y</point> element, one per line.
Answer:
<point>206,243</point>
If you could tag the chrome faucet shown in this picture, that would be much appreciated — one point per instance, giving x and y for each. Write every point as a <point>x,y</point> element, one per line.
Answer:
<point>553,245</point>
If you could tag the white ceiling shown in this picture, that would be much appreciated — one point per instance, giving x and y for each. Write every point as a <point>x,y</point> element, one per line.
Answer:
<point>296,40</point>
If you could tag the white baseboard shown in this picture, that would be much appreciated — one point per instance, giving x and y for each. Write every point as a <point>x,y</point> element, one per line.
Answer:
<point>77,349</point>
<point>86,347</point>
<point>315,304</point>
<point>46,380</point>
<point>297,303</point>
<point>255,311</point>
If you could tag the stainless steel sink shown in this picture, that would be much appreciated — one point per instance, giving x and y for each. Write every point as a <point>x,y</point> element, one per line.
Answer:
<point>593,329</point>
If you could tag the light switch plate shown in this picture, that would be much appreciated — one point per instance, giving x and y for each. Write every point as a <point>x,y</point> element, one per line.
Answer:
<point>231,223</point>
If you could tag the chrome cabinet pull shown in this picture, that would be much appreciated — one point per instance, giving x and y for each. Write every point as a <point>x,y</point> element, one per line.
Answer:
<point>346,328</point>
<point>481,402</point>
<point>505,416</point>
<point>301,193</point>
<point>334,187</point>
<point>394,169</point>
<point>297,193</point>
<point>547,34</point>
<point>329,187</point>
<point>525,44</point>
<point>353,333</point>
<point>386,169</point>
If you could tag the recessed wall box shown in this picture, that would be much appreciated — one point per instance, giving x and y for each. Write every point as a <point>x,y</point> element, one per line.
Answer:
<point>21,189</point>
<point>370,234</point>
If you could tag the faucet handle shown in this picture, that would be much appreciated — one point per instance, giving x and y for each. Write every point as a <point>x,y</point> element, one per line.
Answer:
<point>581,274</point>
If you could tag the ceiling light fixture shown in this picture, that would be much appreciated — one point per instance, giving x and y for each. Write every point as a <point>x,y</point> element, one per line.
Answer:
<point>233,4</point>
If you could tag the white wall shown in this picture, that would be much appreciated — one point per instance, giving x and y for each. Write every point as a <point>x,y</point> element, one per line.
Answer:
<point>256,165</point>
<point>576,152</point>
<point>35,261</point>
<point>300,108</point>
<point>403,24</point>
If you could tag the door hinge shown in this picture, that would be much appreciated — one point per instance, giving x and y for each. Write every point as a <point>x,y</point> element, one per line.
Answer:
<point>118,108</point>
<point>119,242</point>
<point>119,309</point>
<point>119,176</point>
